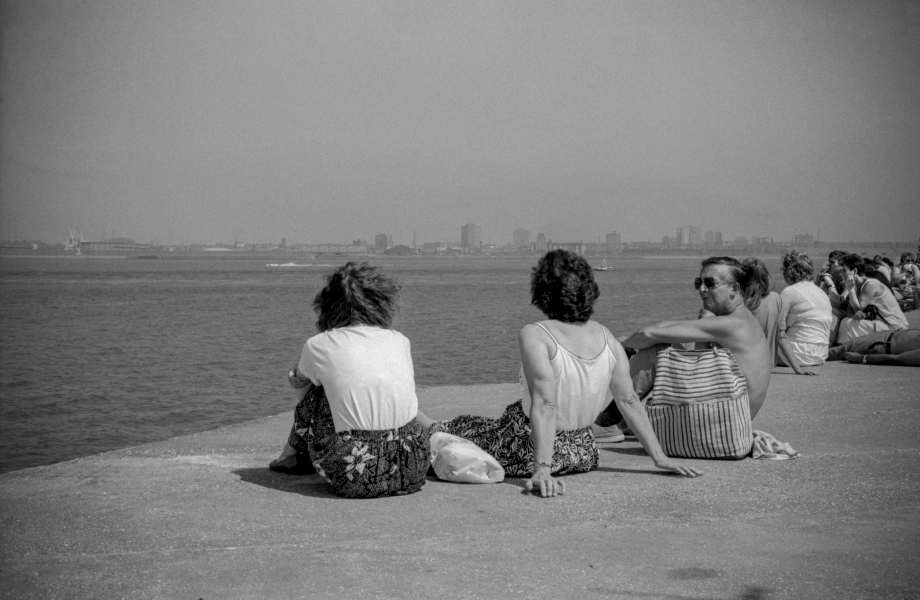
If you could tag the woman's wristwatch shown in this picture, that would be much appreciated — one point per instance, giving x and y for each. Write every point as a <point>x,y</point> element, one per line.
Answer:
<point>296,381</point>
<point>541,463</point>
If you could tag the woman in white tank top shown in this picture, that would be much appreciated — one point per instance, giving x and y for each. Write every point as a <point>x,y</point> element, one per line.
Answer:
<point>570,367</point>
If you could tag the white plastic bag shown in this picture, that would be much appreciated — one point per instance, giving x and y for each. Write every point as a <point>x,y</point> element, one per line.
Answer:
<point>460,460</point>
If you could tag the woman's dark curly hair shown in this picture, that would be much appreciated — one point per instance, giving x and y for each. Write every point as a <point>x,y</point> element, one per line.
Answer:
<point>797,266</point>
<point>356,294</point>
<point>853,262</point>
<point>562,286</point>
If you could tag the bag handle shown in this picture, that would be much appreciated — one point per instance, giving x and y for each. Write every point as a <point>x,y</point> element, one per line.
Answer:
<point>873,313</point>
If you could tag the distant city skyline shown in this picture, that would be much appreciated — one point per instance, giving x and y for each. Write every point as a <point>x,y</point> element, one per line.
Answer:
<point>470,236</point>
<point>174,121</point>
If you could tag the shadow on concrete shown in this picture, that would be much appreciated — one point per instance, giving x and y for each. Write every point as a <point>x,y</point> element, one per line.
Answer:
<point>636,471</point>
<point>628,451</point>
<point>305,485</point>
<point>315,486</point>
<point>755,593</point>
<point>791,372</point>
<point>750,593</point>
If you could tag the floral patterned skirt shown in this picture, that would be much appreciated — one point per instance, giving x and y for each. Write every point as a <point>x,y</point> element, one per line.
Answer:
<point>359,463</point>
<point>509,439</point>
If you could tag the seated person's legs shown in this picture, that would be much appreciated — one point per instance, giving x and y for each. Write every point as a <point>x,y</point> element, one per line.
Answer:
<point>642,372</point>
<point>861,345</point>
<point>642,369</point>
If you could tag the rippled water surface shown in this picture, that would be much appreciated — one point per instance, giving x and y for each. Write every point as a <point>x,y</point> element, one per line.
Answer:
<point>98,354</point>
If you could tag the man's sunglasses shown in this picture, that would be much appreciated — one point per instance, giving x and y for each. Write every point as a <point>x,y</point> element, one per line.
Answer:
<point>709,282</point>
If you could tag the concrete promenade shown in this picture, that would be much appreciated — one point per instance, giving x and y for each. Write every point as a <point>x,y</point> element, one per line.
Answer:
<point>201,516</point>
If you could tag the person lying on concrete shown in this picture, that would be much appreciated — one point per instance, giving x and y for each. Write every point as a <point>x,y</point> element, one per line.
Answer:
<point>899,348</point>
<point>721,285</point>
<point>861,292</point>
<point>355,421</point>
<point>570,367</point>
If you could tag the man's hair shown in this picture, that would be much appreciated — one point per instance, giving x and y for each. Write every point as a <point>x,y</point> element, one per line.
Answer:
<point>835,255</point>
<point>854,262</point>
<point>906,255</point>
<point>797,266</point>
<point>739,273</point>
<point>356,294</point>
<point>562,286</point>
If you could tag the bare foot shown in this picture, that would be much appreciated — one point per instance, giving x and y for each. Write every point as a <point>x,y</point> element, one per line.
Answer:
<point>287,451</point>
<point>292,463</point>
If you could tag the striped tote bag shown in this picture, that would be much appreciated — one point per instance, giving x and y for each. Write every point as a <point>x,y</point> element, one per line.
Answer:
<point>699,405</point>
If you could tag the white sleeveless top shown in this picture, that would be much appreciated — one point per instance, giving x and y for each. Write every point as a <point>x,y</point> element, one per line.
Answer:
<point>582,385</point>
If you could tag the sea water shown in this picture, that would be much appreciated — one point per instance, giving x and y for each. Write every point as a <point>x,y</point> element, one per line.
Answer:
<point>99,354</point>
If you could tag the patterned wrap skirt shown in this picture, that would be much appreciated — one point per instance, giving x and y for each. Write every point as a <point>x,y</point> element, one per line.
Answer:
<point>359,463</point>
<point>509,439</point>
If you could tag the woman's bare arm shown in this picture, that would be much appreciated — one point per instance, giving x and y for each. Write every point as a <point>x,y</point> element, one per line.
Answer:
<point>535,357</point>
<point>634,413</point>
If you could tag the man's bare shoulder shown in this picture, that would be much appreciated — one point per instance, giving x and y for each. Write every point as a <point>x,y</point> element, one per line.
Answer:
<point>740,324</point>
<point>725,323</point>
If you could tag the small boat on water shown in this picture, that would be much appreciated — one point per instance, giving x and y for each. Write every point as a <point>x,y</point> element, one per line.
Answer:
<point>603,266</point>
<point>288,264</point>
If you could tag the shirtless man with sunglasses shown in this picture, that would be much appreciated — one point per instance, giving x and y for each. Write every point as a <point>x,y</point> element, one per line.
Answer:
<point>721,287</point>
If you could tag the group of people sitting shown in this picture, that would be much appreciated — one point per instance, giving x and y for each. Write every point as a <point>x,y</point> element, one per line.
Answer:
<point>690,388</point>
<point>868,298</point>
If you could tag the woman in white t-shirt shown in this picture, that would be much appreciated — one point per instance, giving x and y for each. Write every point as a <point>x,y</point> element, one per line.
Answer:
<point>806,318</point>
<point>355,423</point>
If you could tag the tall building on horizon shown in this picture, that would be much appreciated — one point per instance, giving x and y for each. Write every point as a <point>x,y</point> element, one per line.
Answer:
<point>688,235</point>
<point>540,245</point>
<point>613,242</point>
<point>521,238</point>
<point>382,241</point>
<point>470,237</point>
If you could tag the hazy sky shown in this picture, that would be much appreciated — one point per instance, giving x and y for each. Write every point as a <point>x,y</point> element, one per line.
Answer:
<point>180,120</point>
